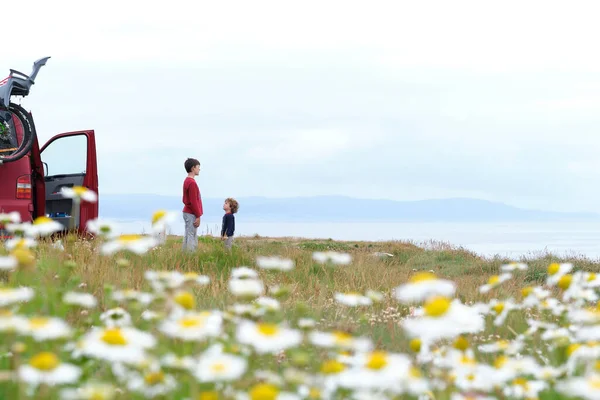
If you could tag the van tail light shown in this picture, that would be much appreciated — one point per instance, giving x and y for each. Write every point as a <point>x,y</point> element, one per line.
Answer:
<point>24,187</point>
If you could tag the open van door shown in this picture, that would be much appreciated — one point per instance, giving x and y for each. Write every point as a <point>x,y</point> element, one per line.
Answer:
<point>69,159</point>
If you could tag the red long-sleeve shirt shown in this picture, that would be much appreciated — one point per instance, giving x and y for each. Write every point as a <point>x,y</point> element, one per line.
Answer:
<point>191,197</point>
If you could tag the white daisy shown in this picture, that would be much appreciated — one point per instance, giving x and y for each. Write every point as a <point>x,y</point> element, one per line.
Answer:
<point>90,391</point>
<point>10,296</point>
<point>161,280</point>
<point>45,328</point>
<point>46,368</point>
<point>219,367</point>
<point>193,277</point>
<point>375,296</point>
<point>12,217</point>
<point>80,299</point>
<point>557,271</point>
<point>44,226</point>
<point>8,263</point>
<point>162,219</point>
<point>522,388</point>
<point>79,193</point>
<point>115,317</point>
<point>152,383</point>
<point>494,281</point>
<point>173,361</point>
<point>352,299</point>
<point>268,304</point>
<point>21,229</point>
<point>116,345</point>
<point>246,288</point>
<point>443,318</point>
<point>9,322</point>
<point>266,337</point>
<point>193,326</point>
<point>585,387</point>
<point>23,243</point>
<point>137,244</point>
<point>243,273</point>
<point>102,228</point>
<point>275,263</point>
<point>422,286</point>
<point>122,296</point>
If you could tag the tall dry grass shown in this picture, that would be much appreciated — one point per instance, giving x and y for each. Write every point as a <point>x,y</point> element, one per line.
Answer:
<point>312,286</point>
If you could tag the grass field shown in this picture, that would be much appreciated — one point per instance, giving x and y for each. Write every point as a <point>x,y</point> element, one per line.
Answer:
<point>169,366</point>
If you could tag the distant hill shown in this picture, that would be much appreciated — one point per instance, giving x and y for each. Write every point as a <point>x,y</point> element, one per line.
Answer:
<point>337,209</point>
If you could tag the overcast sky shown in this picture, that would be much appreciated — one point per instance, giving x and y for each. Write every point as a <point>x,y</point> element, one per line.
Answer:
<point>377,99</point>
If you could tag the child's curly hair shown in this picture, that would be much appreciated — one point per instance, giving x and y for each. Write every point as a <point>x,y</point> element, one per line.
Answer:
<point>233,203</point>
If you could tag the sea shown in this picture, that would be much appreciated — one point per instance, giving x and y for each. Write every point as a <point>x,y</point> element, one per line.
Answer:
<point>516,240</point>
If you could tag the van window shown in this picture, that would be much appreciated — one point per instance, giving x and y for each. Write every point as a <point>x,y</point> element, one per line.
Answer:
<point>66,156</point>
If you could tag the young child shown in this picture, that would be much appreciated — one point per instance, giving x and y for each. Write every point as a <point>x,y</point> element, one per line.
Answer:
<point>192,210</point>
<point>230,206</point>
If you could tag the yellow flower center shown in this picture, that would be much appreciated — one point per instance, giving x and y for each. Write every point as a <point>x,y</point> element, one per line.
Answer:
<point>466,360</point>
<point>154,378</point>
<point>520,382</point>
<point>437,306</point>
<point>471,377</point>
<point>461,343</point>
<point>209,395</point>
<point>44,361</point>
<point>190,275</point>
<point>263,391</point>
<point>594,382</point>
<point>185,300</point>
<point>98,394</point>
<point>502,344</point>
<point>129,238</point>
<point>591,277</point>
<point>494,280</point>
<point>553,268</point>
<point>526,291</point>
<point>218,367</point>
<point>415,372</point>
<point>422,277</point>
<point>190,322</point>
<point>114,337</point>
<point>24,256</point>
<point>79,190</point>
<point>42,220</point>
<point>500,361</point>
<point>332,367</point>
<point>314,393</point>
<point>268,329</point>
<point>498,307</point>
<point>38,322</point>
<point>157,216</point>
<point>415,345</point>
<point>341,337</point>
<point>377,360</point>
<point>21,244</point>
<point>572,348</point>
<point>565,281</point>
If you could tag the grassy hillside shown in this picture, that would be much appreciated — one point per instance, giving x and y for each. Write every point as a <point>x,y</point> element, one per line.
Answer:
<point>306,291</point>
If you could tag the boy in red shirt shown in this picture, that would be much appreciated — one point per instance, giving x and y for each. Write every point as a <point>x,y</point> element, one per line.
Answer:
<point>192,210</point>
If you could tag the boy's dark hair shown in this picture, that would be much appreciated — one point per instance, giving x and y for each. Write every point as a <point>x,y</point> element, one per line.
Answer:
<point>190,163</point>
<point>233,203</point>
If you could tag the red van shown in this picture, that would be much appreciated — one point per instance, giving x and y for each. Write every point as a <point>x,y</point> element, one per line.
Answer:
<point>31,177</point>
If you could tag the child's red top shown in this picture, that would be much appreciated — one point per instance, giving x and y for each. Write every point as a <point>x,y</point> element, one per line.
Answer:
<point>191,197</point>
